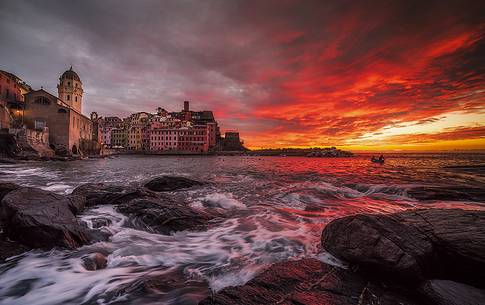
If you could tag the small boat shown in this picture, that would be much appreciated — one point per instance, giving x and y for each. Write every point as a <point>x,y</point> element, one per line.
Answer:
<point>376,160</point>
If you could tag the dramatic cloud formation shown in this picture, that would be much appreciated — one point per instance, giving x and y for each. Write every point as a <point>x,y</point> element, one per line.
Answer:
<point>356,74</point>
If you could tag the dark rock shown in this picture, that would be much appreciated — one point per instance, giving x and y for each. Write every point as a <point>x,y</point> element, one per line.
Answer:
<point>307,281</point>
<point>164,216</point>
<point>97,235</point>
<point>8,145</point>
<point>443,292</point>
<point>10,248</point>
<point>99,222</point>
<point>168,183</point>
<point>76,203</point>
<point>41,219</point>
<point>95,261</point>
<point>101,193</point>
<point>412,245</point>
<point>8,161</point>
<point>6,187</point>
<point>171,287</point>
<point>61,151</point>
<point>450,193</point>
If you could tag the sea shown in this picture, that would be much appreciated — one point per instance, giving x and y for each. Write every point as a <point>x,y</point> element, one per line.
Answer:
<point>276,209</point>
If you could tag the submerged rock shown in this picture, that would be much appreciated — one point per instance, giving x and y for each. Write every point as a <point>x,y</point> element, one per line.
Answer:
<point>307,281</point>
<point>164,215</point>
<point>413,245</point>
<point>95,261</point>
<point>168,183</point>
<point>101,193</point>
<point>42,219</point>
<point>97,222</point>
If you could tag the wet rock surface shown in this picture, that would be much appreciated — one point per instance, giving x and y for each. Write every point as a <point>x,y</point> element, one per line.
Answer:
<point>164,216</point>
<point>462,193</point>
<point>42,219</point>
<point>102,193</point>
<point>413,245</point>
<point>146,209</point>
<point>169,183</point>
<point>95,261</point>
<point>443,292</point>
<point>307,281</point>
<point>6,187</point>
<point>9,248</point>
<point>433,256</point>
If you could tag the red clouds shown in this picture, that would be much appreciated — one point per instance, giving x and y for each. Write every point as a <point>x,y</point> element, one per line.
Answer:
<point>361,78</point>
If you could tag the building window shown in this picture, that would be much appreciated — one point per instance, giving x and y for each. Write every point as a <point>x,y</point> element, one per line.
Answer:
<point>42,100</point>
<point>68,97</point>
<point>61,110</point>
<point>39,124</point>
<point>69,83</point>
<point>75,98</point>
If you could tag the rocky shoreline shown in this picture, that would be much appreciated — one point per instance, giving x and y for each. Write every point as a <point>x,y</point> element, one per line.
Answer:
<point>424,256</point>
<point>432,256</point>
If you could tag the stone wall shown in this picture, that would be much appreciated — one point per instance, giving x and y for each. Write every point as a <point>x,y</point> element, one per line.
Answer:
<point>32,142</point>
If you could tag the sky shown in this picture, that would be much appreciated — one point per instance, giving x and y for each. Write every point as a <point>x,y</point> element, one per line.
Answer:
<point>360,75</point>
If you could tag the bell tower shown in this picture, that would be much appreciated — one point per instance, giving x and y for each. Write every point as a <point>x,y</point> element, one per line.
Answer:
<point>70,89</point>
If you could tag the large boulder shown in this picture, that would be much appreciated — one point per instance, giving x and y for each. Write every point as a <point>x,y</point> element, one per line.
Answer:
<point>42,219</point>
<point>169,183</point>
<point>413,245</point>
<point>164,215</point>
<point>102,193</point>
<point>307,281</point>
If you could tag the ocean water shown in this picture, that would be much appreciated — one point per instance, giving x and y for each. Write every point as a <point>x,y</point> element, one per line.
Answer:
<point>276,207</point>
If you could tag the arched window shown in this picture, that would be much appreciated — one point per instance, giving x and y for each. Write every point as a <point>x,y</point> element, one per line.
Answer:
<point>75,98</point>
<point>68,97</point>
<point>69,83</point>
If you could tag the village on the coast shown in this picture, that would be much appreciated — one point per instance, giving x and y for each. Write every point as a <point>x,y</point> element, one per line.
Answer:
<point>37,123</point>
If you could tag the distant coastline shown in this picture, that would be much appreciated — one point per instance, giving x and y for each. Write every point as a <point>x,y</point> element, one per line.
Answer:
<point>328,152</point>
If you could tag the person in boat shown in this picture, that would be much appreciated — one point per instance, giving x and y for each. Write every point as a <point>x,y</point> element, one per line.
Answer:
<point>381,158</point>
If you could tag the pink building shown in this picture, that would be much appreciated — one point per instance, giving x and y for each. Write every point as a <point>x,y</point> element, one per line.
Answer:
<point>163,139</point>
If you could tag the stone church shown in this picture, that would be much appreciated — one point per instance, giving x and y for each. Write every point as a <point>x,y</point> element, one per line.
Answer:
<point>70,132</point>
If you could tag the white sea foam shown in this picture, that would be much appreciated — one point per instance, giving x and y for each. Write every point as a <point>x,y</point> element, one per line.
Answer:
<point>219,200</point>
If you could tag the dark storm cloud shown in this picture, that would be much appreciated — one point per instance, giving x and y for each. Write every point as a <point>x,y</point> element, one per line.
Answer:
<point>320,69</point>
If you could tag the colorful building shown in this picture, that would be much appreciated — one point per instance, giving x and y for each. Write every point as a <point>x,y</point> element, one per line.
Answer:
<point>173,132</point>
<point>12,90</point>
